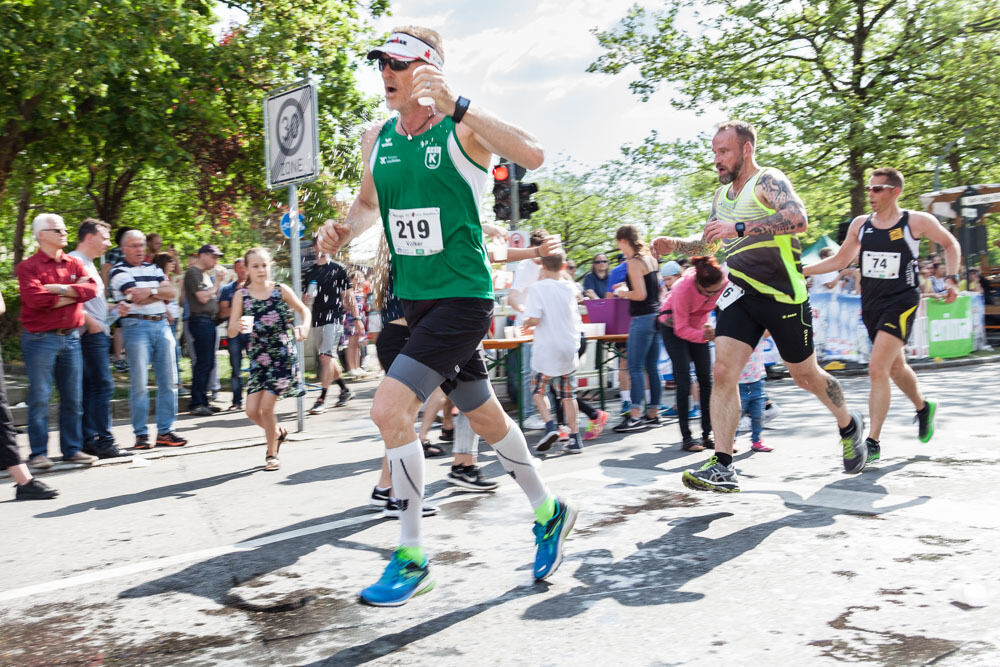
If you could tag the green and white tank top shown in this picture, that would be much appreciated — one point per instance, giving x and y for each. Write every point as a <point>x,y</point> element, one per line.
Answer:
<point>428,193</point>
<point>769,264</point>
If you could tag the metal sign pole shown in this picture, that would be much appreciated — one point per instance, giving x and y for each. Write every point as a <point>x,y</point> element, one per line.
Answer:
<point>294,244</point>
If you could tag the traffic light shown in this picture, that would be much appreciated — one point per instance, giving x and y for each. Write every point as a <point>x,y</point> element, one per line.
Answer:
<point>501,191</point>
<point>524,202</point>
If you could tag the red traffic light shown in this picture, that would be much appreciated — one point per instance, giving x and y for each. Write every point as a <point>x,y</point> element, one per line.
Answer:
<point>500,172</point>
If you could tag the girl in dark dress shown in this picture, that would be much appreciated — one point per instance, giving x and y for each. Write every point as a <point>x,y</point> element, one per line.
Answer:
<point>274,363</point>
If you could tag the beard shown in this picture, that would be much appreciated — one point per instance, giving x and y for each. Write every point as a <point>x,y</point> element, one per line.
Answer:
<point>729,175</point>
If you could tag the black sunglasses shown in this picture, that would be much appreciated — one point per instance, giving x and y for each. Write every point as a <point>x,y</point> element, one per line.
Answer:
<point>394,65</point>
<point>878,188</point>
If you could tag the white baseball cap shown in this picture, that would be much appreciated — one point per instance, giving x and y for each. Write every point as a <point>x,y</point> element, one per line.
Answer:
<point>404,46</point>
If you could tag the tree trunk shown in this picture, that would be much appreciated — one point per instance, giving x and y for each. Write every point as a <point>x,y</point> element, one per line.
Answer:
<point>856,170</point>
<point>23,206</point>
<point>109,196</point>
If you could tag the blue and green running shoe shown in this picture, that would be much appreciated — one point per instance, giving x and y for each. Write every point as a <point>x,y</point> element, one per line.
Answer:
<point>874,450</point>
<point>550,537</point>
<point>402,579</point>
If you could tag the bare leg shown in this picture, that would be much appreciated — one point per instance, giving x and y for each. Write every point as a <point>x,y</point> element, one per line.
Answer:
<point>888,362</point>
<point>542,405</point>
<point>394,411</point>
<point>731,356</point>
<point>569,409</point>
<point>431,407</point>
<point>20,474</point>
<point>384,481</point>
<point>809,376</point>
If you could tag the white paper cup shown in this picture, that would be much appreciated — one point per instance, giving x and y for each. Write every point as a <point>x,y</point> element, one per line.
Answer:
<point>246,324</point>
<point>425,101</point>
<point>499,252</point>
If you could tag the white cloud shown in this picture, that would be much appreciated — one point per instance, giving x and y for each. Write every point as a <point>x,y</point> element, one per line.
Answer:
<point>527,61</point>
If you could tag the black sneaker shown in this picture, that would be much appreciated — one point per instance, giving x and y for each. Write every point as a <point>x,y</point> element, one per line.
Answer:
<point>651,422</point>
<point>107,452</point>
<point>380,498</point>
<point>470,477</point>
<point>630,425</point>
<point>344,397</point>
<point>393,509</point>
<point>201,411</point>
<point>925,419</point>
<point>447,435</point>
<point>215,408</point>
<point>170,439</point>
<point>142,442</point>
<point>34,490</point>
<point>318,408</point>
<point>874,450</point>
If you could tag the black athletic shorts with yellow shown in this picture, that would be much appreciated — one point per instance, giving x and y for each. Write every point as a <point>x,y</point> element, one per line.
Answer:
<point>790,324</point>
<point>895,317</point>
<point>443,349</point>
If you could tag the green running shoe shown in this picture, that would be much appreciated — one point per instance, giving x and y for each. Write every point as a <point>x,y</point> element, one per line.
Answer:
<point>926,421</point>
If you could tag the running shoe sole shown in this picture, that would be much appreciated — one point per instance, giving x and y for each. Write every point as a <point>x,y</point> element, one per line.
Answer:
<point>471,486</point>
<point>547,441</point>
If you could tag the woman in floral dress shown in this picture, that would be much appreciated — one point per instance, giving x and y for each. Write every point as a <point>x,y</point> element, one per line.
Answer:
<point>274,364</point>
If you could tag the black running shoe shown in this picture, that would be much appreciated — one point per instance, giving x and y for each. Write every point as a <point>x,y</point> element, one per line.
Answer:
<point>874,450</point>
<point>34,490</point>
<point>855,452</point>
<point>926,421</point>
<point>344,397</point>
<point>470,477</point>
<point>630,425</point>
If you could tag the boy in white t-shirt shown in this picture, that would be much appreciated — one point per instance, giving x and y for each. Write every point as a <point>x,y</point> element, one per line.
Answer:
<point>551,308</point>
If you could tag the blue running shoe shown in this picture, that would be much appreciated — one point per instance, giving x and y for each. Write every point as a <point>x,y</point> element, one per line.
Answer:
<point>626,407</point>
<point>402,579</point>
<point>550,538</point>
<point>694,413</point>
<point>669,412</point>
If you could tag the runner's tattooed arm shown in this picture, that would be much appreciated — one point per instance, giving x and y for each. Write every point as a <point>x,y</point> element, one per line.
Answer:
<point>775,190</point>
<point>689,245</point>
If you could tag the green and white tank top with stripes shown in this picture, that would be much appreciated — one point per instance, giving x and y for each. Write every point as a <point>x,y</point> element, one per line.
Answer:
<point>770,264</point>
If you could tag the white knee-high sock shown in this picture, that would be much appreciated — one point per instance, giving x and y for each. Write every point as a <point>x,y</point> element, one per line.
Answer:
<point>513,453</point>
<point>406,469</point>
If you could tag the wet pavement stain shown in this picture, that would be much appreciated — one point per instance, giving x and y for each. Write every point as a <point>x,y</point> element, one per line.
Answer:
<point>449,557</point>
<point>655,500</point>
<point>964,606</point>
<point>933,558</point>
<point>460,508</point>
<point>938,541</point>
<point>883,646</point>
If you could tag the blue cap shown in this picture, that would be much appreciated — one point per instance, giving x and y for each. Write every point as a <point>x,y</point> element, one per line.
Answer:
<point>671,268</point>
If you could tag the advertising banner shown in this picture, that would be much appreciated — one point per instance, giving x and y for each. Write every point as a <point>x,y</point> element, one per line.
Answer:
<point>949,328</point>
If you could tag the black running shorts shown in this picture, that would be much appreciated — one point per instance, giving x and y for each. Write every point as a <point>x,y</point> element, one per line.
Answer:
<point>893,318</point>
<point>446,334</point>
<point>790,324</point>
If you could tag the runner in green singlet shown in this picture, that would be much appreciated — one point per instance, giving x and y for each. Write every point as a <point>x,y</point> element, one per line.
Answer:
<point>425,172</point>
<point>756,215</point>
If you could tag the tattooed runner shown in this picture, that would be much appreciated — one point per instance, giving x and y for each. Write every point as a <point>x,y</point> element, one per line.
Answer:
<point>756,215</point>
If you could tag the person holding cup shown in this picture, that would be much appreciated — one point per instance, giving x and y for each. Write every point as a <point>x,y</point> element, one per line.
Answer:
<point>264,312</point>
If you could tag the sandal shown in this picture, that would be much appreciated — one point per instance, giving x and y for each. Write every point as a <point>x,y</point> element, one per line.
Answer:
<point>271,463</point>
<point>432,451</point>
<point>692,445</point>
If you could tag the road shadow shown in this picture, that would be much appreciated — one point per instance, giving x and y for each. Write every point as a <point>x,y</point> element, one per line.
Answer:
<point>179,490</point>
<point>387,644</point>
<point>216,577</point>
<point>657,571</point>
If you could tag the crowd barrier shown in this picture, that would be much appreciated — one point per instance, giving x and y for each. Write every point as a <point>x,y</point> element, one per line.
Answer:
<point>940,330</point>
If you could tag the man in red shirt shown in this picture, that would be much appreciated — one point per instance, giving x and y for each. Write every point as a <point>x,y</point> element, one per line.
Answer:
<point>53,288</point>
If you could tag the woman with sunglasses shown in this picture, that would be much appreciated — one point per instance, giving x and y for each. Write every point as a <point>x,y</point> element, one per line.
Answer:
<point>595,283</point>
<point>686,334</point>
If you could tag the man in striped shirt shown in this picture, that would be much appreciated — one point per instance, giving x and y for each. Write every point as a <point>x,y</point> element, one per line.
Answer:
<point>141,290</point>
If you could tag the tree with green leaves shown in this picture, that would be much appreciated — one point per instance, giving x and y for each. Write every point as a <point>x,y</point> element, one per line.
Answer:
<point>836,87</point>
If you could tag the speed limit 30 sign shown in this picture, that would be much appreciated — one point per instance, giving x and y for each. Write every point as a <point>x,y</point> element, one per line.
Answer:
<point>291,140</point>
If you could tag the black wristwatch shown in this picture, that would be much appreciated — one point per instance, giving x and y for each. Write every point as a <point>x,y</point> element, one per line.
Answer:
<point>741,228</point>
<point>461,106</point>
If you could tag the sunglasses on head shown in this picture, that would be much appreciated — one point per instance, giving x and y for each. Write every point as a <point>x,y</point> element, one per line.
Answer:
<point>394,65</point>
<point>878,188</point>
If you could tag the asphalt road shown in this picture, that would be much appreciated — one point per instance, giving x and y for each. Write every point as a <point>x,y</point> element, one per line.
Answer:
<point>206,559</point>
